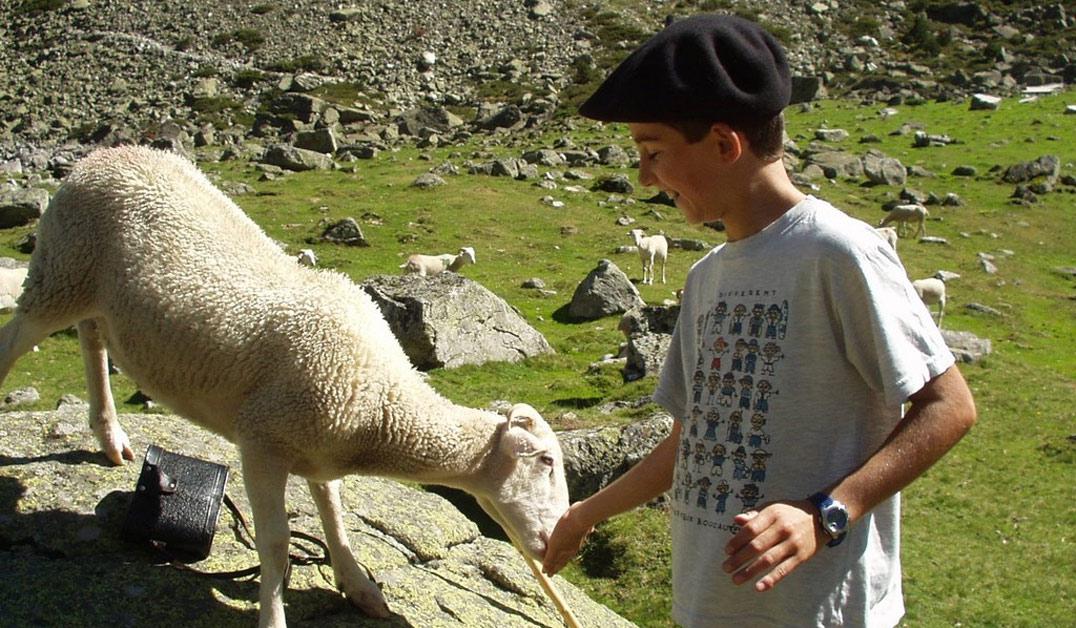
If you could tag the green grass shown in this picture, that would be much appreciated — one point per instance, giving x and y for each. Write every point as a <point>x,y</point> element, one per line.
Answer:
<point>988,532</point>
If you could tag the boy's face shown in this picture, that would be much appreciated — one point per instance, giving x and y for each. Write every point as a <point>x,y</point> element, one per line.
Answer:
<point>687,172</point>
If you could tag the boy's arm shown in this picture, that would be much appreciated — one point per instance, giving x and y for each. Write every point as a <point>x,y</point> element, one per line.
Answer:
<point>783,535</point>
<point>651,477</point>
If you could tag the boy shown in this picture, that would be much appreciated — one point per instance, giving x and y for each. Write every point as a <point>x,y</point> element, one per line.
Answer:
<point>810,503</point>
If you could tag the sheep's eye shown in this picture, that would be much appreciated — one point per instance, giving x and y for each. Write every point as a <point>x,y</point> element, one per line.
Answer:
<point>547,460</point>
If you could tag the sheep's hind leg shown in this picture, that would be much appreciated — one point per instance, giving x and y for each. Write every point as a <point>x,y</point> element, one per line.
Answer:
<point>265,478</point>
<point>106,428</point>
<point>350,577</point>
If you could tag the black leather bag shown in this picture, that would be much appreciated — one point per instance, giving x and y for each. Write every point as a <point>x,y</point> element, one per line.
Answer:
<point>176,504</point>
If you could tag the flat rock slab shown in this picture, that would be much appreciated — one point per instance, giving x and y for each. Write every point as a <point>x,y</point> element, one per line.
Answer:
<point>62,505</point>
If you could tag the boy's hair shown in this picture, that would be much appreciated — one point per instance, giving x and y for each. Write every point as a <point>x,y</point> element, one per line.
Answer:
<point>765,138</point>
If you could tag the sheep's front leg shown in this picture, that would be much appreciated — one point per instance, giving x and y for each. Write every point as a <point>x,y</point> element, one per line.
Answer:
<point>265,479</point>
<point>111,437</point>
<point>350,577</point>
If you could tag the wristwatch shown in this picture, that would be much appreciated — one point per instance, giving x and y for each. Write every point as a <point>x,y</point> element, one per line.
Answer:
<point>834,517</point>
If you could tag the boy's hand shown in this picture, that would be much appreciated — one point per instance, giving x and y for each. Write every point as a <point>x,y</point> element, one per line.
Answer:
<point>566,541</point>
<point>773,541</point>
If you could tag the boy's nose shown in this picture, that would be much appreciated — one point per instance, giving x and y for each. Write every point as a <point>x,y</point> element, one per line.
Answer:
<point>646,176</point>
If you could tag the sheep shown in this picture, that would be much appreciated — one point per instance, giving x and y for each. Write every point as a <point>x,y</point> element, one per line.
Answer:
<point>306,257</point>
<point>889,234</point>
<point>297,367</point>
<point>651,247</point>
<point>903,214</point>
<point>932,290</point>
<point>426,265</point>
<point>11,280</point>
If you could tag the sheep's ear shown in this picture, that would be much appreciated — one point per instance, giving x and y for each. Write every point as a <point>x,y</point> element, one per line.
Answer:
<point>523,415</point>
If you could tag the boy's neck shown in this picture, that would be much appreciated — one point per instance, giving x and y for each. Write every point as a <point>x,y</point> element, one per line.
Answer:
<point>765,195</point>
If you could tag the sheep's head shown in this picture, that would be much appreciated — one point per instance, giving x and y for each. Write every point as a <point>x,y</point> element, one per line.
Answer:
<point>530,492</point>
<point>467,253</point>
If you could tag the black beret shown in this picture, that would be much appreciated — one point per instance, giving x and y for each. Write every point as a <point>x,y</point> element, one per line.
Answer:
<point>705,67</point>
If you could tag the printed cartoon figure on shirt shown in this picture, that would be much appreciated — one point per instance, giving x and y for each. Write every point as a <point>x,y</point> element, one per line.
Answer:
<point>699,458</point>
<point>713,382</point>
<point>721,347</point>
<point>749,496</point>
<point>713,420</point>
<point>773,318</point>
<point>717,459</point>
<point>751,358</point>
<point>756,437</point>
<point>754,324</point>
<point>685,487</point>
<point>739,350</point>
<point>698,384</point>
<point>763,390</point>
<point>739,463</point>
<point>728,389</point>
<point>771,353</point>
<point>735,433</point>
<point>696,418</point>
<point>746,384</point>
<point>717,318</point>
<point>758,465</point>
<point>704,491</point>
<point>738,314</point>
<point>782,326</point>
<point>721,494</point>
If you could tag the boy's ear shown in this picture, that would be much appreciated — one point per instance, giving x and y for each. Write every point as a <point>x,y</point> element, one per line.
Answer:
<point>730,143</point>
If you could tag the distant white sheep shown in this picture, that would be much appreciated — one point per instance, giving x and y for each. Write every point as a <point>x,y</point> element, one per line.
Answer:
<point>904,214</point>
<point>11,280</point>
<point>306,257</point>
<point>932,291</point>
<point>426,265</point>
<point>296,366</point>
<point>889,234</point>
<point>651,248</point>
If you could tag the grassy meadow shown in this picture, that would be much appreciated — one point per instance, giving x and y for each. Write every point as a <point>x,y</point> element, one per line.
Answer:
<point>989,533</point>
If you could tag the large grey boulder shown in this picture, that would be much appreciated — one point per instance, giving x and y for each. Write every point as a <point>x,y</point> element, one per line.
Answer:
<point>645,355</point>
<point>22,206</point>
<point>1045,166</point>
<point>64,564</point>
<point>835,163</point>
<point>883,170</point>
<point>296,159</point>
<point>649,333</point>
<point>439,119</point>
<point>447,320</point>
<point>594,457</point>
<point>606,290</point>
<point>966,346</point>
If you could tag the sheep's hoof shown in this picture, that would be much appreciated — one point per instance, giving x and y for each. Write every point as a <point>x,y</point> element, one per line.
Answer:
<point>116,446</point>
<point>371,603</point>
<point>360,588</point>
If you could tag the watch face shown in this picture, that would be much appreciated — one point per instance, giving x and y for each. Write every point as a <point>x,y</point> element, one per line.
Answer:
<point>836,520</point>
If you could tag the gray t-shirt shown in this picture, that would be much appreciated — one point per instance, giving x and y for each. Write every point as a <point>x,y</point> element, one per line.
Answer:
<point>793,354</point>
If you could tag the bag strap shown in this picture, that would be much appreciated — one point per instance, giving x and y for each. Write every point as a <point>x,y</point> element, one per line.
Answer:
<point>306,557</point>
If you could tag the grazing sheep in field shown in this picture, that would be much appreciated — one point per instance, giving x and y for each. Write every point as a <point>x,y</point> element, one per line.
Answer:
<point>903,214</point>
<point>295,366</point>
<point>932,290</point>
<point>426,265</point>
<point>889,234</point>
<point>650,248</point>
